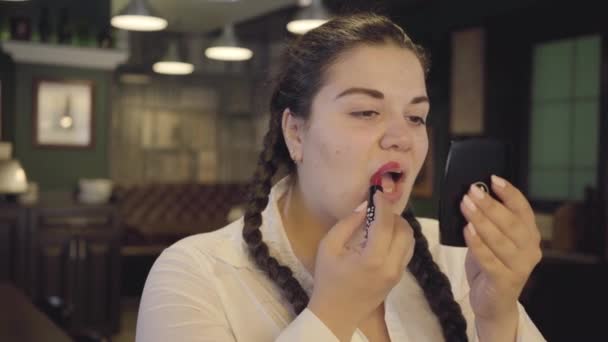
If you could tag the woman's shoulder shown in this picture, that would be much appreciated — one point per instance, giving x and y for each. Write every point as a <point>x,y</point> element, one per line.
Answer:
<point>451,260</point>
<point>221,245</point>
<point>183,290</point>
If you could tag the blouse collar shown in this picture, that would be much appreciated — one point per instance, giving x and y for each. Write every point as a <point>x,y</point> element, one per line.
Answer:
<point>273,233</point>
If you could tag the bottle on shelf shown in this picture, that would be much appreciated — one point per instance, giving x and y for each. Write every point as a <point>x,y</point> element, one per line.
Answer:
<point>104,38</point>
<point>83,36</point>
<point>64,31</point>
<point>44,26</point>
<point>5,31</point>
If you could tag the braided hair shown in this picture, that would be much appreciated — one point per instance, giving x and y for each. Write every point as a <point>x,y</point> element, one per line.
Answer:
<point>301,76</point>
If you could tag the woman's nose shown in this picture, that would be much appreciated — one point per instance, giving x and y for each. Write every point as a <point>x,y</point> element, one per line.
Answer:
<point>397,134</point>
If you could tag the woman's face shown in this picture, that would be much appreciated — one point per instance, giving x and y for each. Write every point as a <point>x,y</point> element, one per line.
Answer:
<point>370,112</point>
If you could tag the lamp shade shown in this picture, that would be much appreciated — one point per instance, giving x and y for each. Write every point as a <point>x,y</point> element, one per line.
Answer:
<point>12,177</point>
<point>172,64</point>
<point>138,16</point>
<point>308,18</point>
<point>227,47</point>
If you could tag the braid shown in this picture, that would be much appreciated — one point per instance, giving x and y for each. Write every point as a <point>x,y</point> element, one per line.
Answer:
<point>300,77</point>
<point>262,182</point>
<point>436,285</point>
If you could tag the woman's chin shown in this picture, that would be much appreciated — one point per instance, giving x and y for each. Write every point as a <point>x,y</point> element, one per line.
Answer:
<point>398,209</point>
<point>399,206</point>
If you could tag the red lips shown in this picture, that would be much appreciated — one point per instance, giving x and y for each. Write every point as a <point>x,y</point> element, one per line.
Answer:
<point>377,177</point>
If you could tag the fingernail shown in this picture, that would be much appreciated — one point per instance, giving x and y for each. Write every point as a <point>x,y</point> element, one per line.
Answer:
<point>469,203</point>
<point>498,181</point>
<point>477,192</point>
<point>361,207</point>
<point>471,229</point>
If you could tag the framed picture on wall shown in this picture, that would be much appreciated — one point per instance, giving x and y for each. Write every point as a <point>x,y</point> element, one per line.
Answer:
<point>423,186</point>
<point>63,113</point>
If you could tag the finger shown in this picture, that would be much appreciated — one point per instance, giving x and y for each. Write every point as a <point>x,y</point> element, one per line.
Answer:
<point>401,246</point>
<point>502,217</point>
<point>381,229</point>
<point>485,258</point>
<point>513,199</point>
<point>500,245</point>
<point>341,233</point>
<point>517,202</point>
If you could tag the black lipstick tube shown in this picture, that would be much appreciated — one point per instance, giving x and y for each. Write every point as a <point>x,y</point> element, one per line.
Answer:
<point>371,207</point>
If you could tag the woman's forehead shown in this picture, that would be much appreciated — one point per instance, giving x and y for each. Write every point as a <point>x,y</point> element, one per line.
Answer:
<point>386,68</point>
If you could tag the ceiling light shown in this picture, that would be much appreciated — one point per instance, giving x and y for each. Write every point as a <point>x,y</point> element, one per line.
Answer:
<point>226,47</point>
<point>308,18</point>
<point>138,16</point>
<point>171,64</point>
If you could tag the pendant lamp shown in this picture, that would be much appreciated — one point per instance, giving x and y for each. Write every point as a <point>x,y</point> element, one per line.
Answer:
<point>138,16</point>
<point>308,18</point>
<point>172,64</point>
<point>227,47</point>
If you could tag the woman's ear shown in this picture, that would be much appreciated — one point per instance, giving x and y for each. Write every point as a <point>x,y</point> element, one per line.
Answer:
<point>293,131</point>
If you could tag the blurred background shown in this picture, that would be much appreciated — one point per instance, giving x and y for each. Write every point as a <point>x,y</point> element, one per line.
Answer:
<point>129,124</point>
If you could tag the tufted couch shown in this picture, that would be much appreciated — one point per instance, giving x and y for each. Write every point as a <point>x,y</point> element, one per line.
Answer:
<point>156,215</point>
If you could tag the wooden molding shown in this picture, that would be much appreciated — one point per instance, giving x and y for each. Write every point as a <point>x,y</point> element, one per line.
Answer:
<point>63,55</point>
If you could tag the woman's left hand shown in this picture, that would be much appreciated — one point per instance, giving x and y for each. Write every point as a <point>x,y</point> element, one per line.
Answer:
<point>504,248</point>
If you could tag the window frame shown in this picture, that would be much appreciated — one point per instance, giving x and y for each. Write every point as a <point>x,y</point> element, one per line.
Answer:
<point>510,39</point>
<point>552,203</point>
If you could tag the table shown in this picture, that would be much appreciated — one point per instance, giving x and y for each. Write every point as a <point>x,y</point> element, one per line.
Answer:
<point>21,321</point>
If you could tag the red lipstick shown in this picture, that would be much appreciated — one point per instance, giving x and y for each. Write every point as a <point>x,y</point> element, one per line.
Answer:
<point>377,177</point>
<point>376,184</point>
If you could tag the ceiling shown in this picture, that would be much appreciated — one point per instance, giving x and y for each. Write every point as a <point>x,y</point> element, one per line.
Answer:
<point>202,16</point>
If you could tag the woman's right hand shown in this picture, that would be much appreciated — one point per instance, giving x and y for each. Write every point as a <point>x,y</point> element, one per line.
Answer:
<point>349,285</point>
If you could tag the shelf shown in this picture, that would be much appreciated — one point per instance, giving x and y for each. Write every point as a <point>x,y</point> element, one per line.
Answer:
<point>64,55</point>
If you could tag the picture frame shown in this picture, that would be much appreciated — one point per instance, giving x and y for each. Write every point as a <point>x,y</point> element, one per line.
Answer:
<point>423,186</point>
<point>63,114</point>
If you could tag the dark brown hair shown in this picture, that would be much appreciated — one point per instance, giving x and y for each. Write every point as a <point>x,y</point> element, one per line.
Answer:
<point>301,76</point>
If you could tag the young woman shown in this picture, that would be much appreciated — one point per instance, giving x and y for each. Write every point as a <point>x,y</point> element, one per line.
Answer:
<point>350,105</point>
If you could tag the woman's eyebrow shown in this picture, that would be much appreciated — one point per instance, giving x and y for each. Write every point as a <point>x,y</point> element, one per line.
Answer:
<point>377,94</point>
<point>419,99</point>
<point>366,91</point>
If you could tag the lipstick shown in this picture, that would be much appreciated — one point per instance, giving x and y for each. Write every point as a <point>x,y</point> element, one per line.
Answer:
<point>376,184</point>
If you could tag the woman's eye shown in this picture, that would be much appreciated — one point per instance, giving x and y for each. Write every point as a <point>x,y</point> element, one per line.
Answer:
<point>365,114</point>
<point>416,120</point>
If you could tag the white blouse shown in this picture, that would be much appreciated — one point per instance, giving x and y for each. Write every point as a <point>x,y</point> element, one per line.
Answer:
<point>205,288</point>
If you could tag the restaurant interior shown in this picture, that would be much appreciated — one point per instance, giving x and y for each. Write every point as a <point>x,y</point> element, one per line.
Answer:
<point>127,125</point>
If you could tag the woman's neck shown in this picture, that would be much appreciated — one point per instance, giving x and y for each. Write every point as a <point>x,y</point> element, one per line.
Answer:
<point>303,228</point>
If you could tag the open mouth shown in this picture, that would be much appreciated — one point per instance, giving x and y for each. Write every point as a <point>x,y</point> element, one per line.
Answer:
<point>396,175</point>
<point>390,180</point>
<point>388,176</point>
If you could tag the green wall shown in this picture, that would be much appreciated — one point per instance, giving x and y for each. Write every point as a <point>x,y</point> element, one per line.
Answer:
<point>59,169</point>
<point>55,169</point>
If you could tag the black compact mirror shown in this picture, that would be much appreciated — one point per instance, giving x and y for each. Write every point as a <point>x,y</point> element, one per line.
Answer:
<point>470,161</point>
